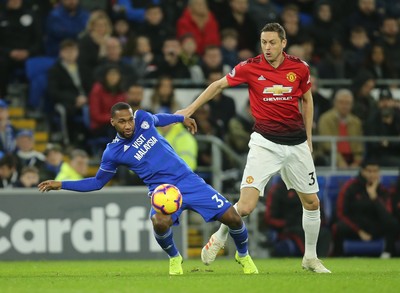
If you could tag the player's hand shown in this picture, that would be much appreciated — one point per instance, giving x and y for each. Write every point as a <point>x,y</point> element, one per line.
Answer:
<point>364,235</point>
<point>190,124</point>
<point>48,185</point>
<point>372,188</point>
<point>183,112</point>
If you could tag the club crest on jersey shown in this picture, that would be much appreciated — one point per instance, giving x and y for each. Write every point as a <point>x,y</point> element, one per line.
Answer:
<point>145,125</point>
<point>277,90</point>
<point>249,179</point>
<point>291,76</point>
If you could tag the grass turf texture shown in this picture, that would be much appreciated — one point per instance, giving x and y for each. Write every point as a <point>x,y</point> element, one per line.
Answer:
<point>276,275</point>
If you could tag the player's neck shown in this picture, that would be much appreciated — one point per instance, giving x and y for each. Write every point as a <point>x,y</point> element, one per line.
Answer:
<point>278,61</point>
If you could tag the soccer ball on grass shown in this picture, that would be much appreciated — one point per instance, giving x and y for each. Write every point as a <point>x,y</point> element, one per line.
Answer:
<point>166,199</point>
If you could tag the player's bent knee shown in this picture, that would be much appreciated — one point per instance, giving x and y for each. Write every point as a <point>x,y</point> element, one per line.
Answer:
<point>232,219</point>
<point>161,223</point>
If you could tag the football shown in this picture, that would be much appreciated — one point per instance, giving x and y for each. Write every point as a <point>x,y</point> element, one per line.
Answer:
<point>166,199</point>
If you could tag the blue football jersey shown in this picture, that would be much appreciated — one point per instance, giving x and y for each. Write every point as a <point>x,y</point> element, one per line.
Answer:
<point>146,153</point>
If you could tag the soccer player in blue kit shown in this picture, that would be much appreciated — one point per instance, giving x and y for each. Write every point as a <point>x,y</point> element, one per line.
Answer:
<point>140,147</point>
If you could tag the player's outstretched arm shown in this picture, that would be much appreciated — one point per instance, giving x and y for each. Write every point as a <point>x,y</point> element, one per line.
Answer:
<point>48,185</point>
<point>209,93</point>
<point>190,124</point>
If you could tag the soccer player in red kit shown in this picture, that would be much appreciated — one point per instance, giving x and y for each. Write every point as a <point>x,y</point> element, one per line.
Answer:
<point>281,142</point>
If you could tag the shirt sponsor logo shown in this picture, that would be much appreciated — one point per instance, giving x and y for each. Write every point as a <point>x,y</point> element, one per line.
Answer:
<point>291,76</point>
<point>278,90</point>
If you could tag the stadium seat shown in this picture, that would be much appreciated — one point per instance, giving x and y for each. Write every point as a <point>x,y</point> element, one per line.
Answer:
<point>363,248</point>
<point>36,71</point>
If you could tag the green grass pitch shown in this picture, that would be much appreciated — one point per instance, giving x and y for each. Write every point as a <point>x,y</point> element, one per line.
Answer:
<point>276,275</point>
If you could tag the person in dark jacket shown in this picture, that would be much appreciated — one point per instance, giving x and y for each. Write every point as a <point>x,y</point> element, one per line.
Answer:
<point>364,210</point>
<point>69,85</point>
<point>20,38</point>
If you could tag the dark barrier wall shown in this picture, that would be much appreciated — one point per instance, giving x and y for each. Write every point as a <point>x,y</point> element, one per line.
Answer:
<point>109,224</point>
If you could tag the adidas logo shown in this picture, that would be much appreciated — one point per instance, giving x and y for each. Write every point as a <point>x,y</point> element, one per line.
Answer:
<point>262,78</point>
<point>126,147</point>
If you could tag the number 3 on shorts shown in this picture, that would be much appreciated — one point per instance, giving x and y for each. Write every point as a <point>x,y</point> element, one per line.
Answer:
<point>312,178</point>
<point>219,201</point>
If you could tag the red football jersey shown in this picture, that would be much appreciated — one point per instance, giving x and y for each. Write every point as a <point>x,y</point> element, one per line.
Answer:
<point>274,96</point>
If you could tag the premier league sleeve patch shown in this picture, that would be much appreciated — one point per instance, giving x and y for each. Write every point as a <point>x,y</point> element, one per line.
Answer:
<point>145,125</point>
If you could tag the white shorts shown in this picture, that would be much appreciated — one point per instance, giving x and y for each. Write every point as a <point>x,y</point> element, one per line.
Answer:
<point>266,158</point>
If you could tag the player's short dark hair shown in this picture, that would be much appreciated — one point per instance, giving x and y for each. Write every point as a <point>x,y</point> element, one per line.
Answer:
<point>373,161</point>
<point>275,27</point>
<point>118,107</point>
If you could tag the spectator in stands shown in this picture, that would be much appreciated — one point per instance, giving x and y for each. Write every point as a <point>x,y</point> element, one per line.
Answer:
<point>321,103</point>
<point>340,122</point>
<point>133,10</point>
<point>364,210</point>
<point>134,96</point>
<point>69,84</point>
<point>142,58</point>
<point>378,64</point>
<point>29,177</point>
<point>188,55</point>
<point>283,215</point>
<point>324,27</point>
<point>290,19</point>
<point>396,203</point>
<point>103,95</point>
<point>7,131</point>
<point>240,128</point>
<point>211,61</point>
<point>222,106</point>
<point>333,65</point>
<point>113,57</point>
<point>26,154</point>
<point>263,12</point>
<point>239,19</point>
<point>125,36</point>
<point>390,38</point>
<point>200,22</point>
<point>163,98</point>
<point>170,63</point>
<point>53,160</point>
<point>357,51</point>
<point>92,43</point>
<point>366,16</point>
<point>364,103</point>
<point>385,122</point>
<point>183,142</point>
<point>229,43</point>
<point>20,38</point>
<point>155,28</point>
<point>77,168</point>
<point>8,171</point>
<point>205,127</point>
<point>66,21</point>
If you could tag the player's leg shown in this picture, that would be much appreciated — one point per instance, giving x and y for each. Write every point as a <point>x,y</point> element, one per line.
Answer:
<point>263,161</point>
<point>299,174</point>
<point>164,237</point>
<point>238,231</point>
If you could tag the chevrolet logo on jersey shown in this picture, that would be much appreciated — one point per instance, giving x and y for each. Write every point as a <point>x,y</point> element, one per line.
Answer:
<point>278,90</point>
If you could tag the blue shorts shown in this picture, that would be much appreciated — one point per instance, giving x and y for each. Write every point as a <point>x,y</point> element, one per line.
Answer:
<point>200,197</point>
